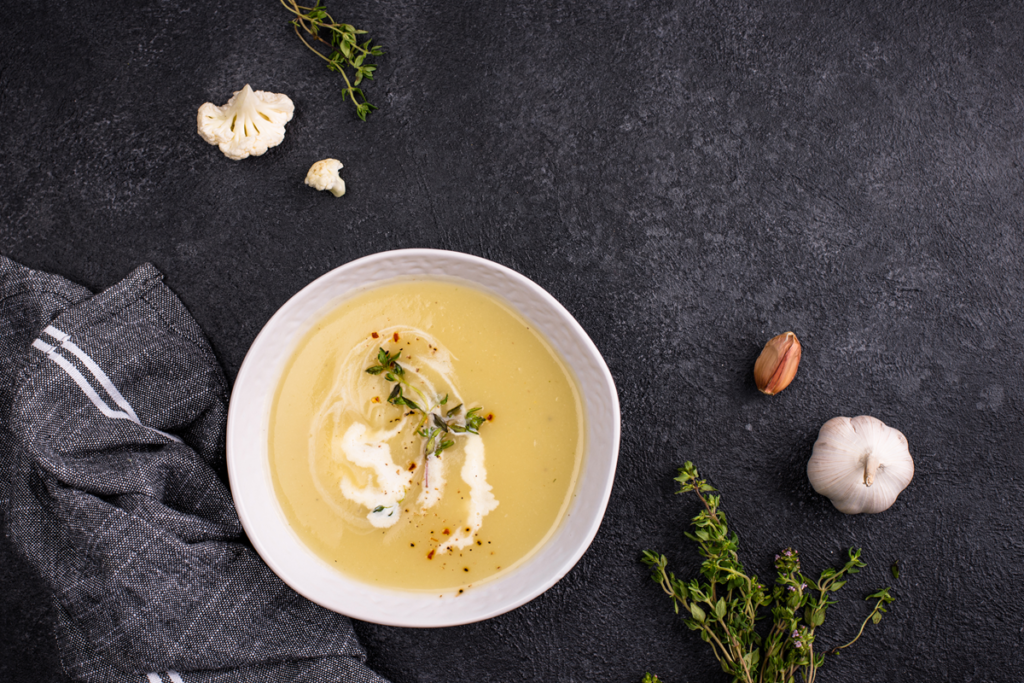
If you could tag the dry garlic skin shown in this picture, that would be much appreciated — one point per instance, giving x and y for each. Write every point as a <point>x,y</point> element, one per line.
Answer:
<point>349,468</point>
<point>860,463</point>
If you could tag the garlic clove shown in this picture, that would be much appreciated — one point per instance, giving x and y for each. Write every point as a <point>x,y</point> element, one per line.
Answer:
<point>776,367</point>
<point>861,464</point>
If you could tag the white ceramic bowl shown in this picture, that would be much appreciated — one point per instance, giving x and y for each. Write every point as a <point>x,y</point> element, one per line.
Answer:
<point>249,464</point>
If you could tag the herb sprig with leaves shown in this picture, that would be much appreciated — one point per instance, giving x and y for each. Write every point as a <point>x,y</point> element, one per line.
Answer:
<point>874,617</point>
<point>345,54</point>
<point>436,423</point>
<point>724,605</point>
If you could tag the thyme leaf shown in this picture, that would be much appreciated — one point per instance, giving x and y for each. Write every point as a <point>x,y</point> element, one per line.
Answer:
<point>473,421</point>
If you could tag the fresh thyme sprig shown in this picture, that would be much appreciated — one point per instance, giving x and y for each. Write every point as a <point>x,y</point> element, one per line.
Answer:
<point>883,598</point>
<point>724,604</point>
<point>436,424</point>
<point>345,53</point>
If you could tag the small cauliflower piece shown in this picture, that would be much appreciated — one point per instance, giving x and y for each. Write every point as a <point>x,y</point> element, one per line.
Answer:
<point>323,175</point>
<point>248,125</point>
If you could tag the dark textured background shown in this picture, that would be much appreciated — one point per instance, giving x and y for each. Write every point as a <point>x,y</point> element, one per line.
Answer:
<point>689,179</point>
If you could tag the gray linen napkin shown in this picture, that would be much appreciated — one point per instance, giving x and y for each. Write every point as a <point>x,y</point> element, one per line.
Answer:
<point>112,482</point>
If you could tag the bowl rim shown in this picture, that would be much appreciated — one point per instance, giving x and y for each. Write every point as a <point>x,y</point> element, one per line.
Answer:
<point>248,369</point>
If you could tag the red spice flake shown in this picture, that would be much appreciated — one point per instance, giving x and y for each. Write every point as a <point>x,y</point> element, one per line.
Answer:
<point>375,399</point>
<point>374,335</point>
<point>412,466</point>
<point>447,532</point>
<point>395,337</point>
<point>490,417</point>
<point>430,555</point>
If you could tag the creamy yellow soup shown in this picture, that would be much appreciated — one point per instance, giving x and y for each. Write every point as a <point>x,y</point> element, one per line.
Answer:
<point>459,474</point>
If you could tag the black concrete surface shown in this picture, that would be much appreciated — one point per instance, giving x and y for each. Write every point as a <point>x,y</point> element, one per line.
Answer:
<point>689,179</point>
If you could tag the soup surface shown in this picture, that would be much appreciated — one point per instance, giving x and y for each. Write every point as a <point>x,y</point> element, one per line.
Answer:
<point>423,436</point>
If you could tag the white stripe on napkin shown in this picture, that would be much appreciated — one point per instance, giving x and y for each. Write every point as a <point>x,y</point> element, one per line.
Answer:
<point>97,371</point>
<point>83,383</point>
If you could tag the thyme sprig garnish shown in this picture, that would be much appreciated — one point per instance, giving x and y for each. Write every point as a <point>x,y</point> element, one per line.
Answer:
<point>345,53</point>
<point>436,425</point>
<point>724,604</point>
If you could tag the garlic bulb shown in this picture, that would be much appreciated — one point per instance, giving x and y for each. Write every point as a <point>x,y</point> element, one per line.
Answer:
<point>861,464</point>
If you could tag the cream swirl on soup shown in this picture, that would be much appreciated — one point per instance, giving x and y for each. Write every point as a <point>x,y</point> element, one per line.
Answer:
<point>377,445</point>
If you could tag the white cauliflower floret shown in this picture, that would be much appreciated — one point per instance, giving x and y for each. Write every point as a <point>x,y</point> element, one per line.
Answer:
<point>248,125</point>
<point>323,175</point>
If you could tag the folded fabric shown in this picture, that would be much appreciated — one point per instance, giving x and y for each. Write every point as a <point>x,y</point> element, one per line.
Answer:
<point>113,486</point>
